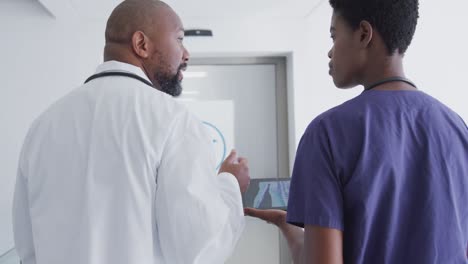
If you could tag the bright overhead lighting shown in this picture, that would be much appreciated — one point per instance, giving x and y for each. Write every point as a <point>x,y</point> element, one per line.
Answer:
<point>189,74</point>
<point>185,99</point>
<point>184,92</point>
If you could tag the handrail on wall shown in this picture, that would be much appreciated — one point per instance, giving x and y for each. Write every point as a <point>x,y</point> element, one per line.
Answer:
<point>6,253</point>
<point>9,257</point>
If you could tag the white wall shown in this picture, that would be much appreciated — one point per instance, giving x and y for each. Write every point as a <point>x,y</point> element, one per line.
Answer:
<point>437,60</point>
<point>43,59</point>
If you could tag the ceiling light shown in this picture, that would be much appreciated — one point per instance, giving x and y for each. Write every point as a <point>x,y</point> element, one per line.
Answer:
<point>189,74</point>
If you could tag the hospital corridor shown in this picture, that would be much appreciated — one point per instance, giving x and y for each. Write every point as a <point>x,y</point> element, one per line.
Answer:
<point>237,132</point>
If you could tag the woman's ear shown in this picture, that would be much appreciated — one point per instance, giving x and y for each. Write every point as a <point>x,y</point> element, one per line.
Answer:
<point>366,33</point>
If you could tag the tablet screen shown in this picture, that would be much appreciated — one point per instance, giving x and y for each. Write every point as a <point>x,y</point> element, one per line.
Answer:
<point>268,193</point>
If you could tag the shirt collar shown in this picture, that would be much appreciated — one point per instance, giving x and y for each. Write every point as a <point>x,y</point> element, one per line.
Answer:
<point>117,66</point>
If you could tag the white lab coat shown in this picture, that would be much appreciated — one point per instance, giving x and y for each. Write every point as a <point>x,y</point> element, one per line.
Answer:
<point>117,172</point>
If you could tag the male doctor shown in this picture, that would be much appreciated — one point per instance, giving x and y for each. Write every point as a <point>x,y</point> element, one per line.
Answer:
<point>117,172</point>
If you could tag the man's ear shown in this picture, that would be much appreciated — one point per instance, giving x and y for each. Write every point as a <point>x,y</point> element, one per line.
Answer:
<point>366,33</point>
<point>141,44</point>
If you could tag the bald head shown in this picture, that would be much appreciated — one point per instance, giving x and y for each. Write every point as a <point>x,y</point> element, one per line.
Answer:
<point>135,15</point>
<point>149,35</point>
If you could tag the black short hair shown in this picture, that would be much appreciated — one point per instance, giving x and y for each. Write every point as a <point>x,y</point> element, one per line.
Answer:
<point>395,20</point>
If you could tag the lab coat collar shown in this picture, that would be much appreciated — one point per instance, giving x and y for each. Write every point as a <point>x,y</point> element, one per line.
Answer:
<point>121,67</point>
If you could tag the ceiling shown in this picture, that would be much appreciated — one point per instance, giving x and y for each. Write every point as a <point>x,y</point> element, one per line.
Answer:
<point>206,9</point>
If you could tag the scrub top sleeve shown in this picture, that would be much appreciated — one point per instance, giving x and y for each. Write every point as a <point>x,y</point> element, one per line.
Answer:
<point>315,193</point>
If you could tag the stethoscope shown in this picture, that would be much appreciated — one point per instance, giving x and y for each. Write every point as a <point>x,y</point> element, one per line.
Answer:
<point>392,79</point>
<point>117,73</point>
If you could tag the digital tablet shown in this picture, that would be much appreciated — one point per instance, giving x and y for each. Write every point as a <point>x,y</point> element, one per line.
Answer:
<point>267,193</point>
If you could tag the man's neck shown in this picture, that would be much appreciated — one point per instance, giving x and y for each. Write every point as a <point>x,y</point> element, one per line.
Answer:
<point>117,53</point>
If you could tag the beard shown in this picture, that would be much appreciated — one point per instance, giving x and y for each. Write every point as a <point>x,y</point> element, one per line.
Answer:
<point>171,84</point>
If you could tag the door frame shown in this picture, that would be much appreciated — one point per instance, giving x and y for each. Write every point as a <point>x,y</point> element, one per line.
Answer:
<point>284,115</point>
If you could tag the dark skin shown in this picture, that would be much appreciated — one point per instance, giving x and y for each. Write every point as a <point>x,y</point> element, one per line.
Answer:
<point>313,244</point>
<point>149,35</point>
<point>358,57</point>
